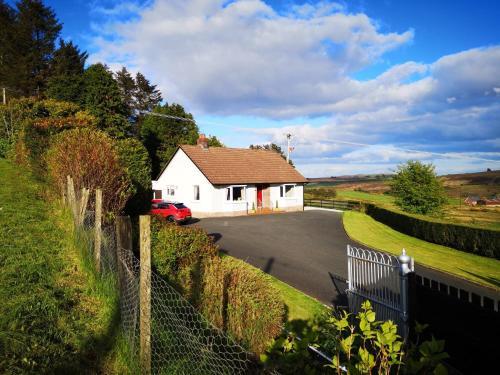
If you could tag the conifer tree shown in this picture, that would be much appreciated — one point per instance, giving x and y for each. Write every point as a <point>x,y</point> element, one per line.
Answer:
<point>147,95</point>
<point>66,68</point>
<point>128,89</point>
<point>37,29</point>
<point>102,99</point>
<point>8,52</point>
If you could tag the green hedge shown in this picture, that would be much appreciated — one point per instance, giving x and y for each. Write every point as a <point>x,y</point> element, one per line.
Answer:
<point>472,240</point>
<point>231,294</point>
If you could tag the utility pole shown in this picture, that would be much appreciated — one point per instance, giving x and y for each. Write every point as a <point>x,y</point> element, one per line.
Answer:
<point>4,97</point>
<point>288,137</point>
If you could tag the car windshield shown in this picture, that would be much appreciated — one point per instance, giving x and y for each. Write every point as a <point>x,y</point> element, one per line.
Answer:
<point>162,205</point>
<point>179,205</point>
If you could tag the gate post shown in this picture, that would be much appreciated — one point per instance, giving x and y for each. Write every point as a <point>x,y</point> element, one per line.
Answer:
<point>406,267</point>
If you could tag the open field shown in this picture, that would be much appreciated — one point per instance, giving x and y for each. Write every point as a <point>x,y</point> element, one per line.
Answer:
<point>458,187</point>
<point>481,270</point>
<point>54,317</point>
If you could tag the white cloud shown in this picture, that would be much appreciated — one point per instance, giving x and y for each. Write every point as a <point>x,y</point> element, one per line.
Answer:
<point>244,58</point>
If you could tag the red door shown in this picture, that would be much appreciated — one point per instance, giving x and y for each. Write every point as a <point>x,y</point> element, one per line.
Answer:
<point>259,196</point>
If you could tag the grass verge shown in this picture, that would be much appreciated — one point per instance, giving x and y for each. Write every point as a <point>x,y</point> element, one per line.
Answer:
<point>298,304</point>
<point>475,268</point>
<point>54,317</point>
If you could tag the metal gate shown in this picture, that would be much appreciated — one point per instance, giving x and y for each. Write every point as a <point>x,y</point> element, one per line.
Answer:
<point>383,280</point>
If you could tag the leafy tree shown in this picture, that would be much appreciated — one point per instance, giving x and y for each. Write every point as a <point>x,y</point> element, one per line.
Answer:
<point>213,141</point>
<point>135,160</point>
<point>102,99</point>
<point>37,29</point>
<point>417,188</point>
<point>8,51</point>
<point>161,135</point>
<point>147,96</point>
<point>128,89</point>
<point>272,147</point>
<point>67,65</point>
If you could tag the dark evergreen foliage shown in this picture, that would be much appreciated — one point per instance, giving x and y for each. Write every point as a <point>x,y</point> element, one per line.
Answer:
<point>103,100</point>
<point>161,136</point>
<point>36,31</point>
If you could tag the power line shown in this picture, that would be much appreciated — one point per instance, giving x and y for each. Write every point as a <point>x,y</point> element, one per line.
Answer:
<point>166,116</point>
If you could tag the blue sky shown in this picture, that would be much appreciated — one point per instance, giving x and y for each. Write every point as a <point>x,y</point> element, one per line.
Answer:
<point>400,79</point>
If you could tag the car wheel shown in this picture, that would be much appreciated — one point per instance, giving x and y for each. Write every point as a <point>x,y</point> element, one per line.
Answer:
<point>170,219</point>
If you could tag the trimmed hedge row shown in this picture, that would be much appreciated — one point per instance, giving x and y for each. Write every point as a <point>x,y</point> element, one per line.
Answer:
<point>231,294</point>
<point>471,240</point>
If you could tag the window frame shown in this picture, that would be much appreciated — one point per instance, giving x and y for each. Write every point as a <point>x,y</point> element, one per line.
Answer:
<point>283,191</point>
<point>231,193</point>
<point>196,193</point>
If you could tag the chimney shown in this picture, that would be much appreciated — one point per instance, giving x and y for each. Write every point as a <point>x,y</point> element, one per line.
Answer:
<point>202,142</point>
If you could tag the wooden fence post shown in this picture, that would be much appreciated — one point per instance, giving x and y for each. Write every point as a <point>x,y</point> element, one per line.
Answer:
<point>123,245</point>
<point>97,229</point>
<point>84,199</point>
<point>72,197</point>
<point>145,294</point>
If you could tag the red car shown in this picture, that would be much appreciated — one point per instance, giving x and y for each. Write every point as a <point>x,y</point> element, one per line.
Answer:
<point>172,211</point>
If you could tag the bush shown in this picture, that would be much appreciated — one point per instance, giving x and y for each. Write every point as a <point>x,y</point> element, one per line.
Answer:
<point>89,156</point>
<point>179,253</point>
<point>242,301</point>
<point>231,294</point>
<point>472,240</point>
<point>37,134</point>
<point>417,188</point>
<point>5,147</point>
<point>323,193</point>
<point>359,345</point>
<point>135,160</point>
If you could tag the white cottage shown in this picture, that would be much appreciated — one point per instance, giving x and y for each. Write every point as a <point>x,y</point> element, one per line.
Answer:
<point>220,181</point>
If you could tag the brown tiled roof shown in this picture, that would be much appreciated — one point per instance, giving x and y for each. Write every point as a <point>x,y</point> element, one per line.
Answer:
<point>222,165</point>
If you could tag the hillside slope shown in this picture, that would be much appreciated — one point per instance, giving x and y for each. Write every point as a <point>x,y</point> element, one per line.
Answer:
<point>53,319</point>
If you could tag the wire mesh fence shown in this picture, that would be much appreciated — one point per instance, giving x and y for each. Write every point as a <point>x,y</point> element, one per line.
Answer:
<point>180,339</point>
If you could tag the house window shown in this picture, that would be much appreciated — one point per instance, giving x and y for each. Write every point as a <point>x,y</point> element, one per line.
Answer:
<point>287,191</point>
<point>236,193</point>
<point>157,194</point>
<point>196,192</point>
<point>170,191</point>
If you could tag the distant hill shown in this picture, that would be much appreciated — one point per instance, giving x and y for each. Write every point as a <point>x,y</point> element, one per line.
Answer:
<point>351,178</point>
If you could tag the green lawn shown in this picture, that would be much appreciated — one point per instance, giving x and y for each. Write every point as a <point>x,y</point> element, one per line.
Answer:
<point>380,199</point>
<point>364,229</point>
<point>53,317</point>
<point>299,305</point>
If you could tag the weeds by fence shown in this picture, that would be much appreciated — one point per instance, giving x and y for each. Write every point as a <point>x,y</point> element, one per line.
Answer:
<point>164,333</point>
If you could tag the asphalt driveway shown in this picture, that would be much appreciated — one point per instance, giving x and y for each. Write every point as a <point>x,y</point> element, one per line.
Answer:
<point>304,249</point>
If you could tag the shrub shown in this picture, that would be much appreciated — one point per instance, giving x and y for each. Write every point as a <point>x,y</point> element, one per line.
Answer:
<point>417,188</point>
<point>135,160</point>
<point>242,301</point>
<point>231,294</point>
<point>255,309</point>
<point>178,254</point>
<point>5,147</point>
<point>89,156</point>
<point>472,240</point>
<point>359,345</point>
<point>37,135</point>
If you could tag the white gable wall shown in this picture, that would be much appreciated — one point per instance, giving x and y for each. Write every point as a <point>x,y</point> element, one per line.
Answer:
<point>295,202</point>
<point>182,174</point>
